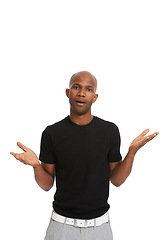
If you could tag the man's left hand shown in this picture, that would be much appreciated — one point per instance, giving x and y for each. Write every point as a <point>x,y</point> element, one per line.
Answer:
<point>141,140</point>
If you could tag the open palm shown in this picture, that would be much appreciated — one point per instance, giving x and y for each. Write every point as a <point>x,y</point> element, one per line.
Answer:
<point>27,157</point>
<point>141,140</point>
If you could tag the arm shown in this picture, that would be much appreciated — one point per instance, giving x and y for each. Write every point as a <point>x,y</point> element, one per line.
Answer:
<point>44,173</point>
<point>119,171</point>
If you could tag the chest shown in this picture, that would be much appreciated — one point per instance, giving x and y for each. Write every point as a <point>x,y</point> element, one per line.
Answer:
<point>81,147</point>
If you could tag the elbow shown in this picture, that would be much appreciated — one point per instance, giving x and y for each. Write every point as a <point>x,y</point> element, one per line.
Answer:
<point>46,189</point>
<point>116,184</point>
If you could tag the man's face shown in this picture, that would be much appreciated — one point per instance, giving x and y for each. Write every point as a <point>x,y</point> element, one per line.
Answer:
<point>82,92</point>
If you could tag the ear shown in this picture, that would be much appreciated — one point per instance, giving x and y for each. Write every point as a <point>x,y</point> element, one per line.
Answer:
<point>95,97</point>
<point>67,92</point>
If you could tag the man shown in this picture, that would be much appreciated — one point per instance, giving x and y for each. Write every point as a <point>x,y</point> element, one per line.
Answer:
<point>83,152</point>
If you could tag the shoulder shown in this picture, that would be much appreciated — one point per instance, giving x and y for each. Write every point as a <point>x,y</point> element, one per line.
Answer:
<point>105,123</point>
<point>56,126</point>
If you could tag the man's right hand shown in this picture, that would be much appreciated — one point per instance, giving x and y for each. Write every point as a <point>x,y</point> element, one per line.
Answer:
<point>27,157</point>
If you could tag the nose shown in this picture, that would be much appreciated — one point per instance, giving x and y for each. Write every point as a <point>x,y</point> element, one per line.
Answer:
<point>81,93</point>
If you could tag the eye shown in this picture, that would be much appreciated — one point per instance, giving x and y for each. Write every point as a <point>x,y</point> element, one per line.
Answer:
<point>89,89</point>
<point>75,87</point>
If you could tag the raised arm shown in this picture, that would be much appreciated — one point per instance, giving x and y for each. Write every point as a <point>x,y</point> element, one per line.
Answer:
<point>119,171</point>
<point>44,173</point>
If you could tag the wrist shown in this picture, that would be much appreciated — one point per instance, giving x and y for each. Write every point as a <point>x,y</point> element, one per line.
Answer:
<point>36,165</point>
<point>131,153</point>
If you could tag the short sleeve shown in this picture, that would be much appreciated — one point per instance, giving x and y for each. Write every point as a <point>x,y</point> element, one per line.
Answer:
<point>114,154</point>
<point>46,148</point>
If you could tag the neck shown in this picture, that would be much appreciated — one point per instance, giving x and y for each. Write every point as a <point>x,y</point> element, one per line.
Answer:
<point>81,119</point>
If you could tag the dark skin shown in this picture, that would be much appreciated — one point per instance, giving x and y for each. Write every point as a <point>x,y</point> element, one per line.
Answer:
<point>82,88</point>
<point>82,94</point>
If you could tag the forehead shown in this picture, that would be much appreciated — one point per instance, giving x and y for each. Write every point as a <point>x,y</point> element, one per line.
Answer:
<point>83,79</point>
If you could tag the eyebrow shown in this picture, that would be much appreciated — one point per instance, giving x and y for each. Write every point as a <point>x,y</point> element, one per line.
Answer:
<point>80,85</point>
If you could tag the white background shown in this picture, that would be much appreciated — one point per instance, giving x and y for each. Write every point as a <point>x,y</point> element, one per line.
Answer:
<point>42,44</point>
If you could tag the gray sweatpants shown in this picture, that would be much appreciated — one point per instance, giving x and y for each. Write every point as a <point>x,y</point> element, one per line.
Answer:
<point>63,231</point>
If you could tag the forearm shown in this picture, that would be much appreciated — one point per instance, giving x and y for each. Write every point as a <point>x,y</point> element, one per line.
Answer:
<point>43,179</point>
<point>123,170</point>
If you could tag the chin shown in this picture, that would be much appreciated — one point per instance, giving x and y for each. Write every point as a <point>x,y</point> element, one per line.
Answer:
<point>80,112</point>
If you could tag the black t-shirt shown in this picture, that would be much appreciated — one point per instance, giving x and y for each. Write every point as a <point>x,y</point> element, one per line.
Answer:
<point>81,154</point>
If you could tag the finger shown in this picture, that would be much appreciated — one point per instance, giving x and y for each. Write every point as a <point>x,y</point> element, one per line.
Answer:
<point>24,148</point>
<point>144,132</point>
<point>150,137</point>
<point>18,156</point>
<point>12,153</point>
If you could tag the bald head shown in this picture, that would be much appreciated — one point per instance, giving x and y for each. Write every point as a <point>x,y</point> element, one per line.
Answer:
<point>84,75</point>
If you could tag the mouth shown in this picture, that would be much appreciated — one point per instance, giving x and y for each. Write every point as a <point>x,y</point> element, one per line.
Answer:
<point>80,103</point>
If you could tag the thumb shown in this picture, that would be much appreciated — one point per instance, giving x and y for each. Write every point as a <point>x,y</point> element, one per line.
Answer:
<point>22,146</point>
